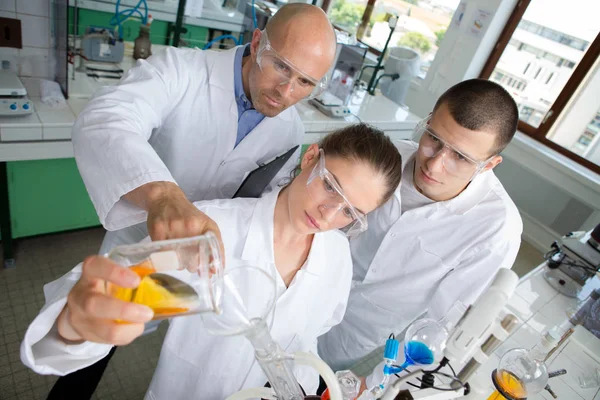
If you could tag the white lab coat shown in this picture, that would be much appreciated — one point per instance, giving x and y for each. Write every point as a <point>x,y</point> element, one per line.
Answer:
<point>194,364</point>
<point>422,262</point>
<point>173,118</point>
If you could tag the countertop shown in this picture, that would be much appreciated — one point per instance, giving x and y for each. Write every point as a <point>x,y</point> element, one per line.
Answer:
<point>46,133</point>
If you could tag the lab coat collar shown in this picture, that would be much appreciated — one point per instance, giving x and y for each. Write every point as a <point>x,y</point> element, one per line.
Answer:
<point>468,199</point>
<point>222,76</point>
<point>473,194</point>
<point>261,235</point>
<point>407,149</point>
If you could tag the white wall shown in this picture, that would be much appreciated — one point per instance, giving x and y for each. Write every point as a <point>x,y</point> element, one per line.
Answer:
<point>554,194</point>
<point>460,55</point>
<point>34,59</point>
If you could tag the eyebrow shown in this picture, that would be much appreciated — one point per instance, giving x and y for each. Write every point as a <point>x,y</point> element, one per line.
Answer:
<point>340,185</point>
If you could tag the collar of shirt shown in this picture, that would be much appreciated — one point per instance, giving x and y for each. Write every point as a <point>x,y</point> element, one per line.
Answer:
<point>468,199</point>
<point>240,96</point>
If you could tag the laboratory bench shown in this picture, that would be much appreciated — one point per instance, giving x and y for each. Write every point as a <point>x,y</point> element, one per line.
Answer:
<point>539,308</point>
<point>40,188</point>
<point>222,20</point>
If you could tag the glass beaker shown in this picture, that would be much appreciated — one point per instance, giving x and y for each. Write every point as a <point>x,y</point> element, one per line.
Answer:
<point>249,295</point>
<point>178,277</point>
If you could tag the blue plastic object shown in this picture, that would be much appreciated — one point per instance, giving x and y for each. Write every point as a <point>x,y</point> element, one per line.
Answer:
<point>13,106</point>
<point>391,349</point>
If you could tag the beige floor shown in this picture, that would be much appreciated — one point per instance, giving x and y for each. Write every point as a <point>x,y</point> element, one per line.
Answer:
<point>43,259</point>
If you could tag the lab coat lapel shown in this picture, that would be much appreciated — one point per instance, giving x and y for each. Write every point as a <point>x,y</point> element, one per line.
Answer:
<point>268,133</point>
<point>293,309</point>
<point>259,249</point>
<point>222,80</point>
<point>259,243</point>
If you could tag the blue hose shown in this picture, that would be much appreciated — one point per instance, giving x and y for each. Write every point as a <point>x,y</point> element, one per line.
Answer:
<point>219,38</point>
<point>115,20</point>
<point>118,21</point>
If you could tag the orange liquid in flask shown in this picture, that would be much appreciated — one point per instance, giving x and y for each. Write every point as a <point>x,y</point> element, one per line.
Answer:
<point>151,292</point>
<point>510,385</point>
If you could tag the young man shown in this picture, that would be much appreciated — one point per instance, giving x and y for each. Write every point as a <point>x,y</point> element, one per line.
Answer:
<point>447,231</point>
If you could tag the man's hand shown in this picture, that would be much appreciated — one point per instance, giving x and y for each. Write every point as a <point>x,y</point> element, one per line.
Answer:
<point>170,214</point>
<point>90,314</point>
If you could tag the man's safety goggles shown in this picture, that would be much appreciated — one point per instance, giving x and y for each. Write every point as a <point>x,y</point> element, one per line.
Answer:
<point>455,162</point>
<point>278,68</point>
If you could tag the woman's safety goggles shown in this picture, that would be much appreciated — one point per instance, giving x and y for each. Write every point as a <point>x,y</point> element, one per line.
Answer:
<point>327,193</point>
<point>278,68</point>
<point>455,162</point>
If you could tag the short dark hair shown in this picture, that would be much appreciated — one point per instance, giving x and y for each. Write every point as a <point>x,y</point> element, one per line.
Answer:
<point>479,104</point>
<point>362,142</point>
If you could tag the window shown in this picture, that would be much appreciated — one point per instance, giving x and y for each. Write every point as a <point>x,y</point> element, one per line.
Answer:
<point>554,35</point>
<point>558,49</point>
<point>525,113</point>
<point>578,126</point>
<point>421,24</point>
<point>347,14</point>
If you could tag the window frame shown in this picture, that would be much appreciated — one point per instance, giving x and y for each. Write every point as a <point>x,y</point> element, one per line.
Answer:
<point>577,77</point>
<point>370,48</point>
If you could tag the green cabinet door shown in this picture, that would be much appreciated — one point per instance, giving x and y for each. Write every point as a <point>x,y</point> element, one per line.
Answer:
<point>48,196</point>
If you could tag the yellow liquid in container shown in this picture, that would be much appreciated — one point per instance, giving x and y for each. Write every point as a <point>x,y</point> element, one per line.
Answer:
<point>510,385</point>
<point>152,293</point>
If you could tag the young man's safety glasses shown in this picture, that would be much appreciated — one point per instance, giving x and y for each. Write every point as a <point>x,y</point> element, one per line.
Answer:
<point>324,189</point>
<point>278,68</point>
<point>455,162</point>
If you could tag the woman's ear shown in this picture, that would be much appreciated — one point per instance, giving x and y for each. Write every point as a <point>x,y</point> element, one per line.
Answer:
<point>311,155</point>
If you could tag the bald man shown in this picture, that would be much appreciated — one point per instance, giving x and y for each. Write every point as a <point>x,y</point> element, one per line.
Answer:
<point>188,125</point>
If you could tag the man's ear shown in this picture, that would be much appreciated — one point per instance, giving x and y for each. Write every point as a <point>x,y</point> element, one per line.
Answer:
<point>311,155</point>
<point>492,163</point>
<point>256,35</point>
